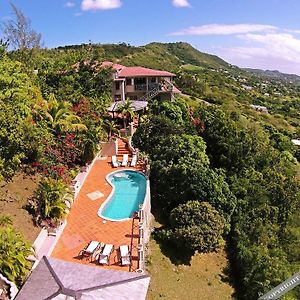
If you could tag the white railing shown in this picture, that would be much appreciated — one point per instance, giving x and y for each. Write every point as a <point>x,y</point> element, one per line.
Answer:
<point>145,218</point>
<point>13,290</point>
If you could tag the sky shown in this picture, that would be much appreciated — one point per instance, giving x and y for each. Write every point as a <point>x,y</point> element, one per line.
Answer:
<point>262,34</point>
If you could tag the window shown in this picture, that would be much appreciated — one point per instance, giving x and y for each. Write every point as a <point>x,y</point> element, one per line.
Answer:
<point>153,80</point>
<point>140,80</point>
<point>117,85</point>
<point>128,81</point>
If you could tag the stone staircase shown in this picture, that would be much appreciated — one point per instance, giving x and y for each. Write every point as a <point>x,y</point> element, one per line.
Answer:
<point>122,149</point>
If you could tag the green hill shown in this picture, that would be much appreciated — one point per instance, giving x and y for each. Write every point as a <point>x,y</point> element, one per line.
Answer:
<point>168,56</point>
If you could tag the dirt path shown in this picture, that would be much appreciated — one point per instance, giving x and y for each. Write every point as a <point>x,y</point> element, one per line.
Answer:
<point>13,196</point>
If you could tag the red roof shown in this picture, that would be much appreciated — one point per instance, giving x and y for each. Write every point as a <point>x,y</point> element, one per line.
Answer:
<point>143,72</point>
<point>110,64</point>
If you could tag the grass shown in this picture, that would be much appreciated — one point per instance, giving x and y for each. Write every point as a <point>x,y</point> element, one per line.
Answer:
<point>203,278</point>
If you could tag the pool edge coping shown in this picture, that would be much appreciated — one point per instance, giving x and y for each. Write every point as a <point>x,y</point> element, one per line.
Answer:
<point>112,192</point>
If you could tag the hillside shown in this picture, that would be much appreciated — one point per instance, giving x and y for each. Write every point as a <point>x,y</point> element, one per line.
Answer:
<point>168,56</point>
<point>274,74</point>
<point>223,164</point>
<point>203,76</point>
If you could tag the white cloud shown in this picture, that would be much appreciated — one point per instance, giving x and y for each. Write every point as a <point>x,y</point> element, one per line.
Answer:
<point>100,4</point>
<point>281,45</point>
<point>259,45</point>
<point>70,4</point>
<point>292,31</point>
<point>225,29</point>
<point>280,51</point>
<point>180,3</point>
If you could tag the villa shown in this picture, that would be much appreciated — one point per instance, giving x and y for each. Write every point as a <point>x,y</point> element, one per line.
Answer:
<point>140,85</point>
<point>99,251</point>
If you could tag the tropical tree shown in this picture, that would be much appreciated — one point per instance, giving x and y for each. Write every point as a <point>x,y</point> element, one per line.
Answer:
<point>197,226</point>
<point>14,251</point>
<point>19,135</point>
<point>111,127</point>
<point>126,109</point>
<point>3,47</point>
<point>51,198</point>
<point>58,115</point>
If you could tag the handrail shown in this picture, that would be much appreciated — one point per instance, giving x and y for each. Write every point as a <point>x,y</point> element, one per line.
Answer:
<point>165,86</point>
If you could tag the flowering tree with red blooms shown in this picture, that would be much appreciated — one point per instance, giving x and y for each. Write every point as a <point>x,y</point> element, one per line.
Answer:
<point>85,110</point>
<point>82,108</point>
<point>92,117</point>
<point>64,154</point>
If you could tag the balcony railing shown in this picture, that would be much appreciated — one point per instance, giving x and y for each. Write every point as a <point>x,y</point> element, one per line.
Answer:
<point>143,87</point>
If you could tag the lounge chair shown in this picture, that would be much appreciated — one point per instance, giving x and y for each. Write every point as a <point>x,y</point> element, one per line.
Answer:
<point>134,160</point>
<point>105,254</point>
<point>114,161</point>
<point>125,256</point>
<point>125,160</point>
<point>90,249</point>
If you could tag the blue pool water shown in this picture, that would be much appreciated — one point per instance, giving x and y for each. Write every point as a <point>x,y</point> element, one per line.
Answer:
<point>129,192</point>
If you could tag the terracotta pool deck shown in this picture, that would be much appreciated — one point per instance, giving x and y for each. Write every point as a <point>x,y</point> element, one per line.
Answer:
<point>84,224</point>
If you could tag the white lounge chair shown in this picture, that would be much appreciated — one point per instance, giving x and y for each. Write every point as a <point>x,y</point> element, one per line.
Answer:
<point>105,254</point>
<point>125,255</point>
<point>125,160</point>
<point>114,161</point>
<point>90,249</point>
<point>134,160</point>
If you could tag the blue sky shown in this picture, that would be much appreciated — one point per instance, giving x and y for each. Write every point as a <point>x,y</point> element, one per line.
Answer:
<point>249,33</point>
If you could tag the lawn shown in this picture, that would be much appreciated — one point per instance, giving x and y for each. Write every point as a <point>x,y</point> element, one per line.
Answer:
<point>203,278</point>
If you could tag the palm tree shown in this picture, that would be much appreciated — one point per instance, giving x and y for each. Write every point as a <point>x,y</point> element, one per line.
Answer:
<point>51,195</point>
<point>14,251</point>
<point>111,127</point>
<point>126,109</point>
<point>58,115</point>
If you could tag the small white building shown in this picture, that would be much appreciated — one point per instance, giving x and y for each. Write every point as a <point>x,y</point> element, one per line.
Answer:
<point>260,108</point>
<point>296,142</point>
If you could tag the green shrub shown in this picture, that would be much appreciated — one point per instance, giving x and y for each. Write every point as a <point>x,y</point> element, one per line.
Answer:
<point>14,251</point>
<point>197,226</point>
<point>50,199</point>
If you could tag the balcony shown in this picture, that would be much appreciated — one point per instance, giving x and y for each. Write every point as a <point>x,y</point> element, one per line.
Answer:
<point>143,87</point>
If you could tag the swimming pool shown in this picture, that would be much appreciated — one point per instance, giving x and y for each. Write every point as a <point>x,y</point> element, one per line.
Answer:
<point>129,190</point>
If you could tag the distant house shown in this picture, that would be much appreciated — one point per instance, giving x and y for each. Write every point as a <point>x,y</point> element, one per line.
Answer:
<point>247,87</point>
<point>62,280</point>
<point>260,108</point>
<point>141,84</point>
<point>296,143</point>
